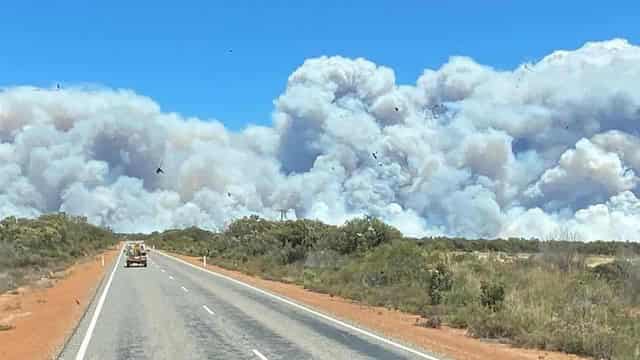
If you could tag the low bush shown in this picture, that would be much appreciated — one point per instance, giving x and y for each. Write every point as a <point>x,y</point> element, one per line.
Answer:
<point>491,295</point>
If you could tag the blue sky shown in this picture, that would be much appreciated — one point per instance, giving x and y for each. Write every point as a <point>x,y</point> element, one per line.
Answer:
<point>178,52</point>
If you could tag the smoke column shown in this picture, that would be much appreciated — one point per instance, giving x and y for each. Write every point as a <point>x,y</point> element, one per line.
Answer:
<point>467,150</point>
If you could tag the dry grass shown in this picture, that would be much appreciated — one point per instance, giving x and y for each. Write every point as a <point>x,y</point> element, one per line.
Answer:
<point>593,261</point>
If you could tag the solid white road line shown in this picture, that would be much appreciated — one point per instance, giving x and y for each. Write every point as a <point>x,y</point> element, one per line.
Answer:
<point>208,310</point>
<point>184,289</point>
<point>262,357</point>
<point>304,308</point>
<point>87,336</point>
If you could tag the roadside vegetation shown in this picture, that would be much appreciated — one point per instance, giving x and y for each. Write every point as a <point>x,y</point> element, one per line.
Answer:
<point>34,248</point>
<point>529,293</point>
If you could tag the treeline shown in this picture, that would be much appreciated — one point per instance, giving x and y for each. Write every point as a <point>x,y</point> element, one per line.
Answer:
<point>284,242</point>
<point>551,300</point>
<point>30,248</point>
<point>509,246</point>
<point>518,245</point>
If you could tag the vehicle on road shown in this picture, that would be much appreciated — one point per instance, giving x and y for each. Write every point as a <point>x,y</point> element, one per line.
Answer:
<point>136,253</point>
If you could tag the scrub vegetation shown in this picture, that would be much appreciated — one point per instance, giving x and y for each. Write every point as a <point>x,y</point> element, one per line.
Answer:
<point>545,294</point>
<point>34,248</point>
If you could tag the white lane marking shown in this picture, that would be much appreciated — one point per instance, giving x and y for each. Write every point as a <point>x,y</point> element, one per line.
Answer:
<point>262,357</point>
<point>170,277</point>
<point>208,310</point>
<point>87,337</point>
<point>184,289</point>
<point>304,308</point>
<point>162,270</point>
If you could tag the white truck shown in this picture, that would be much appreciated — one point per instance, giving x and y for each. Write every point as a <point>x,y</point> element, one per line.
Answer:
<point>136,253</point>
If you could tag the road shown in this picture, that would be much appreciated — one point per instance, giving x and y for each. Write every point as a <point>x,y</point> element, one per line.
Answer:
<point>171,310</point>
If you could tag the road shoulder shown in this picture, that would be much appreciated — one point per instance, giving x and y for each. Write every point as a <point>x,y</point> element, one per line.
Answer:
<point>44,315</point>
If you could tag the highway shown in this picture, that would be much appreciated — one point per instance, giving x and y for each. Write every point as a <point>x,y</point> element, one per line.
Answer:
<point>172,310</point>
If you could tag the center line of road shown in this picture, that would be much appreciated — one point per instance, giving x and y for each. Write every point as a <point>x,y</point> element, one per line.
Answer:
<point>305,308</point>
<point>262,357</point>
<point>170,277</point>
<point>208,310</point>
<point>184,289</point>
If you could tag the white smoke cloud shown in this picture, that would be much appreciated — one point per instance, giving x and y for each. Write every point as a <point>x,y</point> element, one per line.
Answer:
<point>468,150</point>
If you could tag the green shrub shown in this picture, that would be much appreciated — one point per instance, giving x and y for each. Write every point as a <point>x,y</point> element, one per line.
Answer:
<point>616,271</point>
<point>484,322</point>
<point>491,295</point>
<point>363,234</point>
<point>440,282</point>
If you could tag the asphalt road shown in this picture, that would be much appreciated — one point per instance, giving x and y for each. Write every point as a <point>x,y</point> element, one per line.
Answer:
<point>171,310</point>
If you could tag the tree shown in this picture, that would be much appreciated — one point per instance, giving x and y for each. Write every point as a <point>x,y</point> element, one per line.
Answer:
<point>561,248</point>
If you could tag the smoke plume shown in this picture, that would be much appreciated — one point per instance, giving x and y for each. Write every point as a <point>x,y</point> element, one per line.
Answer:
<point>468,150</point>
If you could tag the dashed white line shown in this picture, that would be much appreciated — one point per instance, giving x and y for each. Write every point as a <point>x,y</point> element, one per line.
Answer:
<point>208,310</point>
<point>262,357</point>
<point>184,289</point>
<point>307,309</point>
<point>170,277</point>
<point>162,270</point>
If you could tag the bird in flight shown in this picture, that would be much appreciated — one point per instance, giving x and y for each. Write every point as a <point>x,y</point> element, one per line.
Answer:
<point>159,169</point>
